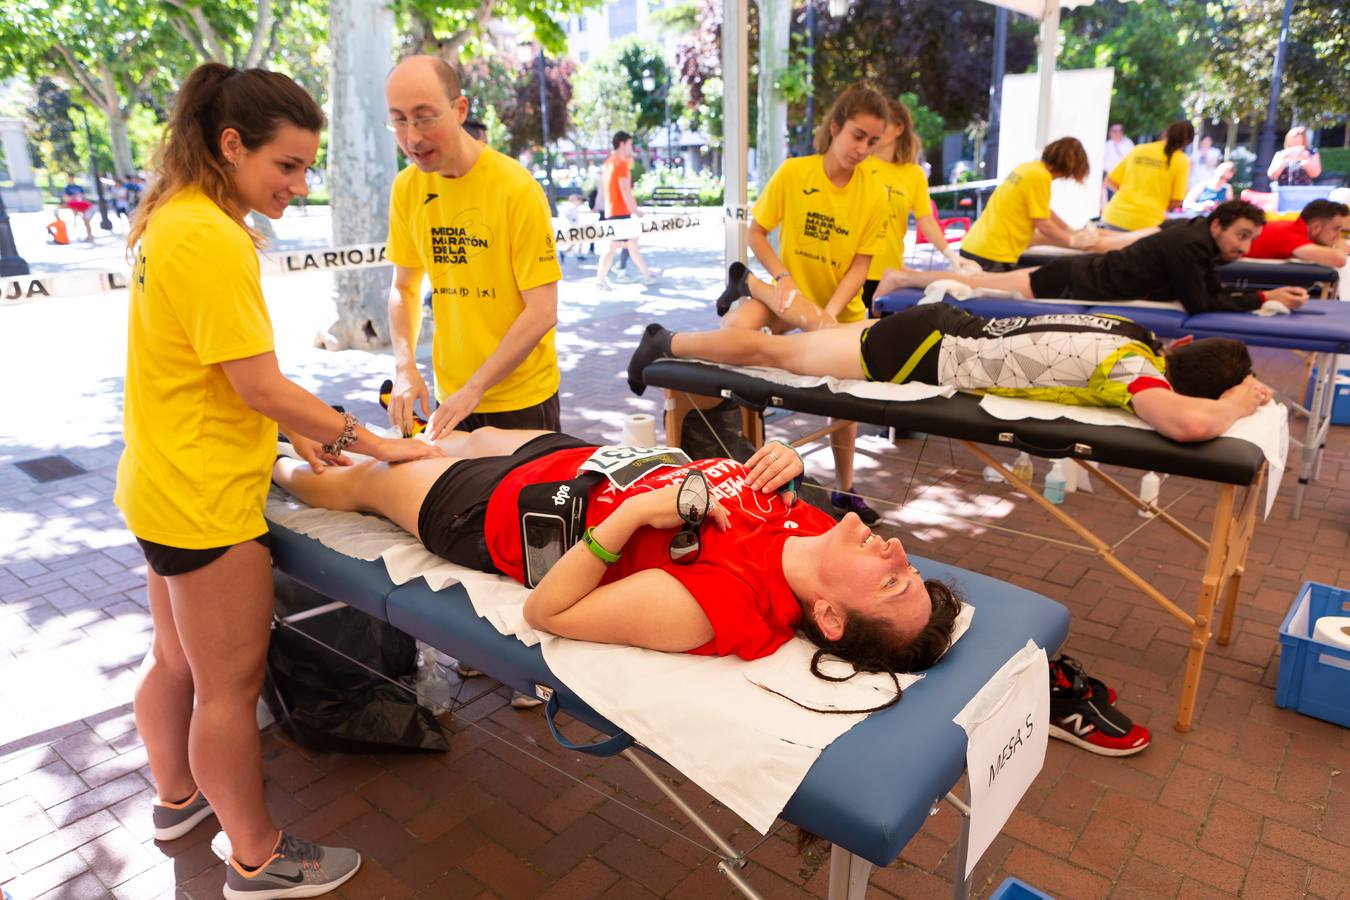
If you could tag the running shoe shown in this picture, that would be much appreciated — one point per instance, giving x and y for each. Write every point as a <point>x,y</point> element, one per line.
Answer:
<point>1084,718</point>
<point>522,700</point>
<point>173,820</point>
<point>845,503</point>
<point>296,868</point>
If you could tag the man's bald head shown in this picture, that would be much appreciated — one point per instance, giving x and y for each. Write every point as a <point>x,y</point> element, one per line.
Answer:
<point>426,66</point>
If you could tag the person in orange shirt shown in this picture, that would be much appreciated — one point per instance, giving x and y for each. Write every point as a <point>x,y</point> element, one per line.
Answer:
<point>619,204</point>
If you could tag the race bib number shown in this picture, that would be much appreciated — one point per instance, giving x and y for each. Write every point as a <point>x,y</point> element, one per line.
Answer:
<point>623,466</point>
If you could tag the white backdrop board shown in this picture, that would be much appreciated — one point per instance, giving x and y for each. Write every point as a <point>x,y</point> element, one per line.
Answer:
<point>1080,108</point>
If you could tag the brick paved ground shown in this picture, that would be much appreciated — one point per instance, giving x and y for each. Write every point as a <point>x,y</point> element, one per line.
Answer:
<point>1252,802</point>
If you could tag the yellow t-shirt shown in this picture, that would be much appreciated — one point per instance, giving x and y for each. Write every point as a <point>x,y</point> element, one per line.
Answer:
<point>1149,184</point>
<point>824,227</point>
<point>483,238</point>
<point>198,460</point>
<point>1003,231</point>
<point>906,188</point>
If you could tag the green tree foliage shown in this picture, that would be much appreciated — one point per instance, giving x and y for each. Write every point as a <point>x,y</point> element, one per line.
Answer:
<point>928,125</point>
<point>504,94</point>
<point>602,103</point>
<point>1156,49</point>
<point>445,27</point>
<point>50,128</point>
<point>1234,81</point>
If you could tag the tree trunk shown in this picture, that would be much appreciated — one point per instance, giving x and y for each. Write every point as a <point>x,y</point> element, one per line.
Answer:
<point>775,33</point>
<point>120,142</point>
<point>1230,139</point>
<point>361,165</point>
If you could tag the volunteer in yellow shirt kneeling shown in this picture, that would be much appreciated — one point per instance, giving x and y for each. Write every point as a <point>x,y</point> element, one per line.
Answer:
<point>1150,180</point>
<point>203,399</point>
<point>1019,210</point>
<point>831,216</point>
<point>478,224</point>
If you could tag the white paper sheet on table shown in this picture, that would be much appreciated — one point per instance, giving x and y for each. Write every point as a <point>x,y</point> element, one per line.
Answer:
<point>750,749</point>
<point>1267,428</point>
<point>872,390</point>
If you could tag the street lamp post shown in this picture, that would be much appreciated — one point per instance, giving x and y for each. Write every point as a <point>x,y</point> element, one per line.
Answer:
<point>543,121</point>
<point>103,222</point>
<point>649,85</point>
<point>11,263</point>
<point>1265,150</point>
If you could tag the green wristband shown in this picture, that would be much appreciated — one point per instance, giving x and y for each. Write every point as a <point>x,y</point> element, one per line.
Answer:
<point>600,552</point>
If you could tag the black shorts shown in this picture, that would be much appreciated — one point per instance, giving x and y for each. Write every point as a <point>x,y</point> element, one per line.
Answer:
<point>450,522</point>
<point>989,265</point>
<point>1059,279</point>
<point>904,341</point>
<point>167,562</point>
<point>546,416</point>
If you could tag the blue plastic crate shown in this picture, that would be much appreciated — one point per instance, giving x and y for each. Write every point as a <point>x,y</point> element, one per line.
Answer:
<point>1292,198</point>
<point>1340,401</point>
<point>1016,889</point>
<point>1314,678</point>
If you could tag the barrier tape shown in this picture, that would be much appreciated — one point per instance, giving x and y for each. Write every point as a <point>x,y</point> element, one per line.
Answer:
<point>29,288</point>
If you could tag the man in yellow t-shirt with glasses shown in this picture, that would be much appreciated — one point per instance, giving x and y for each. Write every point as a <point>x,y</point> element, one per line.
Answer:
<point>478,224</point>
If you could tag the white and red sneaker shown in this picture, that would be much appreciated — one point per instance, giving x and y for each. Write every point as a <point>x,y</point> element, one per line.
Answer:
<point>1081,713</point>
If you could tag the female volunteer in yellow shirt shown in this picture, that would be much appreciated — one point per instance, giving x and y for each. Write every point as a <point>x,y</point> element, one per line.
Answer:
<point>1150,180</point>
<point>203,399</point>
<point>831,217</point>
<point>895,163</point>
<point>1019,210</point>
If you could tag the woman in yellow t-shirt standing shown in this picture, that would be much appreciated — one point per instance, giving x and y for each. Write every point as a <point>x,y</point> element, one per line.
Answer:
<point>895,163</point>
<point>1150,180</point>
<point>1019,210</point>
<point>831,220</point>
<point>204,396</point>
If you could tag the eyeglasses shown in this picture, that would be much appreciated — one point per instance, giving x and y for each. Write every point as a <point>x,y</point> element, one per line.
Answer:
<point>692,502</point>
<point>421,123</point>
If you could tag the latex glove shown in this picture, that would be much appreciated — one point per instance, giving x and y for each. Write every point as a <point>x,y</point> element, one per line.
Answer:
<point>960,265</point>
<point>1084,237</point>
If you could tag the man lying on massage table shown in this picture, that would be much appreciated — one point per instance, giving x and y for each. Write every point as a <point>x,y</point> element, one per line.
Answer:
<point>1178,263</point>
<point>1317,235</point>
<point>1191,391</point>
<point>645,573</point>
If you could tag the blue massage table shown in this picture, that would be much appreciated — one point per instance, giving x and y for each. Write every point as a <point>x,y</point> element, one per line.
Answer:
<point>869,792</point>
<point>1245,274</point>
<point>1321,328</point>
<point>1237,466</point>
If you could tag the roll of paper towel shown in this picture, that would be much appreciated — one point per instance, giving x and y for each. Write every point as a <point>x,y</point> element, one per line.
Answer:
<point>1333,631</point>
<point>639,430</point>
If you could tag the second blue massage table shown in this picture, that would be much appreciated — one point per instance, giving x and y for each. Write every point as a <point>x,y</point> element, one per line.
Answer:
<point>869,792</point>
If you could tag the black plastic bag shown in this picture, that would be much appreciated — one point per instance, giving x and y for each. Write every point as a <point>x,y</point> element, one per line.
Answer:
<point>328,703</point>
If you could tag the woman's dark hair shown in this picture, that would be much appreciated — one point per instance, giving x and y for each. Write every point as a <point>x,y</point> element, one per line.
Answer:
<point>1177,135</point>
<point>858,99</point>
<point>870,645</point>
<point>1066,158</point>
<point>254,102</point>
<point>1207,367</point>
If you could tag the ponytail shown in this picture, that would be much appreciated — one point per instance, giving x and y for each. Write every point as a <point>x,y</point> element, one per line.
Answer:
<point>1178,135</point>
<point>907,145</point>
<point>213,98</point>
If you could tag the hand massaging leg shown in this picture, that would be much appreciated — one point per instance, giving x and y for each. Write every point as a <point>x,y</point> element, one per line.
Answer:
<point>395,492</point>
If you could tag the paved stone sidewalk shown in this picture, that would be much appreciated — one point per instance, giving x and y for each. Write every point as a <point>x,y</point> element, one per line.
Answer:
<point>1251,802</point>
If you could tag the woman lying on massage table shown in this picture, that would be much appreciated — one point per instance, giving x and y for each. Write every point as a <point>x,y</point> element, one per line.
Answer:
<point>643,575</point>
<point>1192,391</point>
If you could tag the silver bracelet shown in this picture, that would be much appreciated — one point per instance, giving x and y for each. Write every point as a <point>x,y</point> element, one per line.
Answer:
<point>344,440</point>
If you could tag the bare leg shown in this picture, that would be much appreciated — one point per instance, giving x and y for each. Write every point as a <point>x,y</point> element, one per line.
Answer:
<point>842,443</point>
<point>606,261</point>
<point>1117,240</point>
<point>637,258</point>
<point>164,700</point>
<point>830,351</point>
<point>799,311</point>
<point>221,614</point>
<point>1018,281</point>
